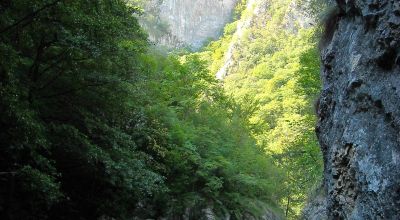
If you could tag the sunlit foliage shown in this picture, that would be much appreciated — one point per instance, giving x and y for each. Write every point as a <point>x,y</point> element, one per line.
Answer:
<point>274,72</point>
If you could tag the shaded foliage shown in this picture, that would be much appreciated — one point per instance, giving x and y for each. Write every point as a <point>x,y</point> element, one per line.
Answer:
<point>94,125</point>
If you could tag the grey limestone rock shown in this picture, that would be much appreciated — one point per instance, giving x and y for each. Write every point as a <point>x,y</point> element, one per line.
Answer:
<point>359,111</point>
<point>186,23</point>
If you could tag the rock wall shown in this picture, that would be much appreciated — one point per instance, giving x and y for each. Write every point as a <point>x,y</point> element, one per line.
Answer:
<point>187,22</point>
<point>359,110</point>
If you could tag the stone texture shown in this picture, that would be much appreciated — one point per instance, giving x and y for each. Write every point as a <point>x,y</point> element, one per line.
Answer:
<point>359,110</point>
<point>188,22</point>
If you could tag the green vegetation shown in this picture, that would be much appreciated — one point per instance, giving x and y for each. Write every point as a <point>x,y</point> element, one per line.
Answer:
<point>96,125</point>
<point>274,73</point>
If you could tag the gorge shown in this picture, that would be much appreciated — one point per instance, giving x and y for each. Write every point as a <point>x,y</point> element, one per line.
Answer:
<point>357,125</point>
<point>199,109</point>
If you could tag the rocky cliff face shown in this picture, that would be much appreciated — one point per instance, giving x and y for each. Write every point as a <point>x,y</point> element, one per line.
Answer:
<point>179,23</point>
<point>359,110</point>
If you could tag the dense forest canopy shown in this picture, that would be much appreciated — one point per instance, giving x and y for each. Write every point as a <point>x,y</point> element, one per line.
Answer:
<point>96,124</point>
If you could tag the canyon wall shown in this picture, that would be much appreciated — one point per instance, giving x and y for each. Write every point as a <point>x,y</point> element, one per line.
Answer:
<point>359,110</point>
<point>186,23</point>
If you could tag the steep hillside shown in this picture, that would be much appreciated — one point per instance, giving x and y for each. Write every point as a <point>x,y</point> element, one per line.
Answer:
<point>268,61</point>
